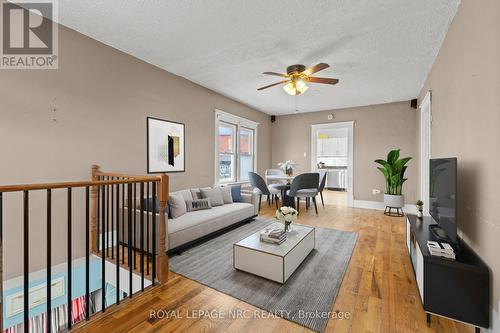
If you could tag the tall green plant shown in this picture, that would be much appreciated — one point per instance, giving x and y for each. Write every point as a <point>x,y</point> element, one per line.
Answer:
<point>393,170</point>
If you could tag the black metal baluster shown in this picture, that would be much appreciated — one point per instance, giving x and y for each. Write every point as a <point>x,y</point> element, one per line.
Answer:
<point>103,253</point>
<point>129,237</point>
<point>98,217</point>
<point>1,255</point>
<point>153,230</point>
<point>112,220</point>
<point>26,260</point>
<point>118,244</point>
<point>70,279</point>
<point>107,218</point>
<point>87,255</point>
<point>123,224</point>
<point>134,227</point>
<point>49,259</point>
<point>142,235</point>
<point>148,209</point>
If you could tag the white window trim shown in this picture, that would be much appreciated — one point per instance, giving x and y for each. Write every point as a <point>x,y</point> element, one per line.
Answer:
<point>222,116</point>
<point>425,148</point>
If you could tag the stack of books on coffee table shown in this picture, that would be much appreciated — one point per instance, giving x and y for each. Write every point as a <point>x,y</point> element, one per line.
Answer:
<point>273,236</point>
<point>439,249</point>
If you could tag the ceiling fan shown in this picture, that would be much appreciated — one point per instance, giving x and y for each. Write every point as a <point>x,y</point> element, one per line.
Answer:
<point>297,76</point>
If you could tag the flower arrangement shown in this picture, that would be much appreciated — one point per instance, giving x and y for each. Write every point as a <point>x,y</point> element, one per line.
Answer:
<point>287,166</point>
<point>286,215</point>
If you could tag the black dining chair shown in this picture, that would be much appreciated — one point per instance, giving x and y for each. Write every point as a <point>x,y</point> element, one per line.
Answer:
<point>260,187</point>
<point>305,186</point>
<point>322,186</point>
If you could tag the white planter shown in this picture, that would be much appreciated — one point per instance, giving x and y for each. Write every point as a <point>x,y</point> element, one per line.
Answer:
<point>395,201</point>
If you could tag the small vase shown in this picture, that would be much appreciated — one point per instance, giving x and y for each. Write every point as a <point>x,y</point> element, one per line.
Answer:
<point>289,171</point>
<point>420,213</point>
<point>288,226</point>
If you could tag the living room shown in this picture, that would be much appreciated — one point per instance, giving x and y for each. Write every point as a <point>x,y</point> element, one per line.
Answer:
<point>421,78</point>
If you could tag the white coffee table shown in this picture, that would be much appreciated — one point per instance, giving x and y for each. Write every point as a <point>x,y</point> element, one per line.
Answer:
<point>274,262</point>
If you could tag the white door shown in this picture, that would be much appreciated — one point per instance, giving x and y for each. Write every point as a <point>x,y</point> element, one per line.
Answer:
<point>425,148</point>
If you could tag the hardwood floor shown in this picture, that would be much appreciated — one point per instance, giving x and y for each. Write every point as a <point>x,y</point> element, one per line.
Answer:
<point>378,291</point>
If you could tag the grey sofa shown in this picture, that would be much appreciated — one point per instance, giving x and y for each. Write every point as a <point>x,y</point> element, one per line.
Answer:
<point>195,226</point>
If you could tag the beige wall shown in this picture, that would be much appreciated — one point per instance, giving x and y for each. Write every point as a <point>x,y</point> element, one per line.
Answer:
<point>102,97</point>
<point>465,84</point>
<point>377,129</point>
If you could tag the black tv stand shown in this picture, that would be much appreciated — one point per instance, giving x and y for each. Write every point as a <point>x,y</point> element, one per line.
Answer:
<point>439,233</point>
<point>457,289</point>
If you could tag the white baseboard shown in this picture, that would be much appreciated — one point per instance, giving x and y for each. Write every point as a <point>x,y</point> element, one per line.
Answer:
<point>377,205</point>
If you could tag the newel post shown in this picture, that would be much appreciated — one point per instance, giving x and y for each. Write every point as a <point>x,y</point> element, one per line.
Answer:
<point>161,257</point>
<point>93,215</point>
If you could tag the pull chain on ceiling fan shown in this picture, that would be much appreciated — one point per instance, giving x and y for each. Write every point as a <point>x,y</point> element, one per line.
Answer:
<point>297,76</point>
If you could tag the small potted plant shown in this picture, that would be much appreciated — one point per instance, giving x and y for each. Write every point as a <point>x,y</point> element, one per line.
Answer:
<point>420,208</point>
<point>393,170</point>
<point>286,215</point>
<point>287,167</point>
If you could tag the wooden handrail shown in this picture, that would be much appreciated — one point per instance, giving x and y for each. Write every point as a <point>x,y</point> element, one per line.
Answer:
<point>47,186</point>
<point>123,175</point>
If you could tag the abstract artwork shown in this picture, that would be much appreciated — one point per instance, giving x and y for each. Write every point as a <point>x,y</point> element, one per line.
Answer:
<point>165,146</point>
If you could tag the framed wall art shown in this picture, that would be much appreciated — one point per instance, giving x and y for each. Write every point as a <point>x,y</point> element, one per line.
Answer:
<point>165,146</point>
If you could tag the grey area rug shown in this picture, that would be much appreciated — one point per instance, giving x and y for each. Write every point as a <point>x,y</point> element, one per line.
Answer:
<point>305,298</point>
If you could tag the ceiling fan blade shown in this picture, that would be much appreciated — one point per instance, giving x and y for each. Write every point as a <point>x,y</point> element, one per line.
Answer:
<point>323,80</point>
<point>275,74</point>
<point>314,69</point>
<point>274,84</point>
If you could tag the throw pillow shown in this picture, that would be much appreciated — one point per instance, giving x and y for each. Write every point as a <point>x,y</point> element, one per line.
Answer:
<point>198,204</point>
<point>214,194</point>
<point>195,193</point>
<point>186,194</point>
<point>226,194</point>
<point>236,193</point>
<point>177,205</point>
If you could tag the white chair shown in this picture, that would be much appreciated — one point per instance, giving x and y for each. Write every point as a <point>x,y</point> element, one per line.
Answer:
<point>274,183</point>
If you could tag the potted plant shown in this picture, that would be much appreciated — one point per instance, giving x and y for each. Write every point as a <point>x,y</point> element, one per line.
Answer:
<point>393,170</point>
<point>420,208</point>
<point>286,215</point>
<point>287,167</point>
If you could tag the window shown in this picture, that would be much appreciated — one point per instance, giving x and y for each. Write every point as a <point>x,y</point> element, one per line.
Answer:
<point>235,148</point>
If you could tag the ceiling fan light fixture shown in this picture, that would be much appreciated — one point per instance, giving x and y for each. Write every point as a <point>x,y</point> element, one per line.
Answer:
<point>296,87</point>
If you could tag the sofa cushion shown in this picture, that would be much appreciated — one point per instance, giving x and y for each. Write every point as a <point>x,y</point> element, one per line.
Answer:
<point>226,194</point>
<point>177,205</point>
<point>236,193</point>
<point>235,212</point>
<point>199,204</point>
<point>214,194</point>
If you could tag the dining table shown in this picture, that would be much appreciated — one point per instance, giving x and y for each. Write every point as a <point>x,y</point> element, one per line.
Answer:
<point>284,186</point>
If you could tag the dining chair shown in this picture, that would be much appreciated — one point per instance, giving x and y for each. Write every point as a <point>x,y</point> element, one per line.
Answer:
<point>305,186</point>
<point>275,172</point>
<point>276,183</point>
<point>260,187</point>
<point>322,185</point>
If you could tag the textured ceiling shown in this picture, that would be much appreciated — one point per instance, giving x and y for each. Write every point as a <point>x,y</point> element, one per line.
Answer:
<point>380,50</point>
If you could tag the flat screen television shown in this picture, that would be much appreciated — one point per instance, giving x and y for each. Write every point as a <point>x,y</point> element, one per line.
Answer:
<point>443,196</point>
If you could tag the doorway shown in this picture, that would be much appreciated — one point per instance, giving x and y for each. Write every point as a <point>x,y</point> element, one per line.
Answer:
<point>332,153</point>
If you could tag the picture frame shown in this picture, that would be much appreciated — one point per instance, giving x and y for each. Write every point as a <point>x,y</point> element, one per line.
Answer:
<point>166,146</point>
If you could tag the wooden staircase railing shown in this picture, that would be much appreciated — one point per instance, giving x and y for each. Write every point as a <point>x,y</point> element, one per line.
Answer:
<point>99,213</point>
